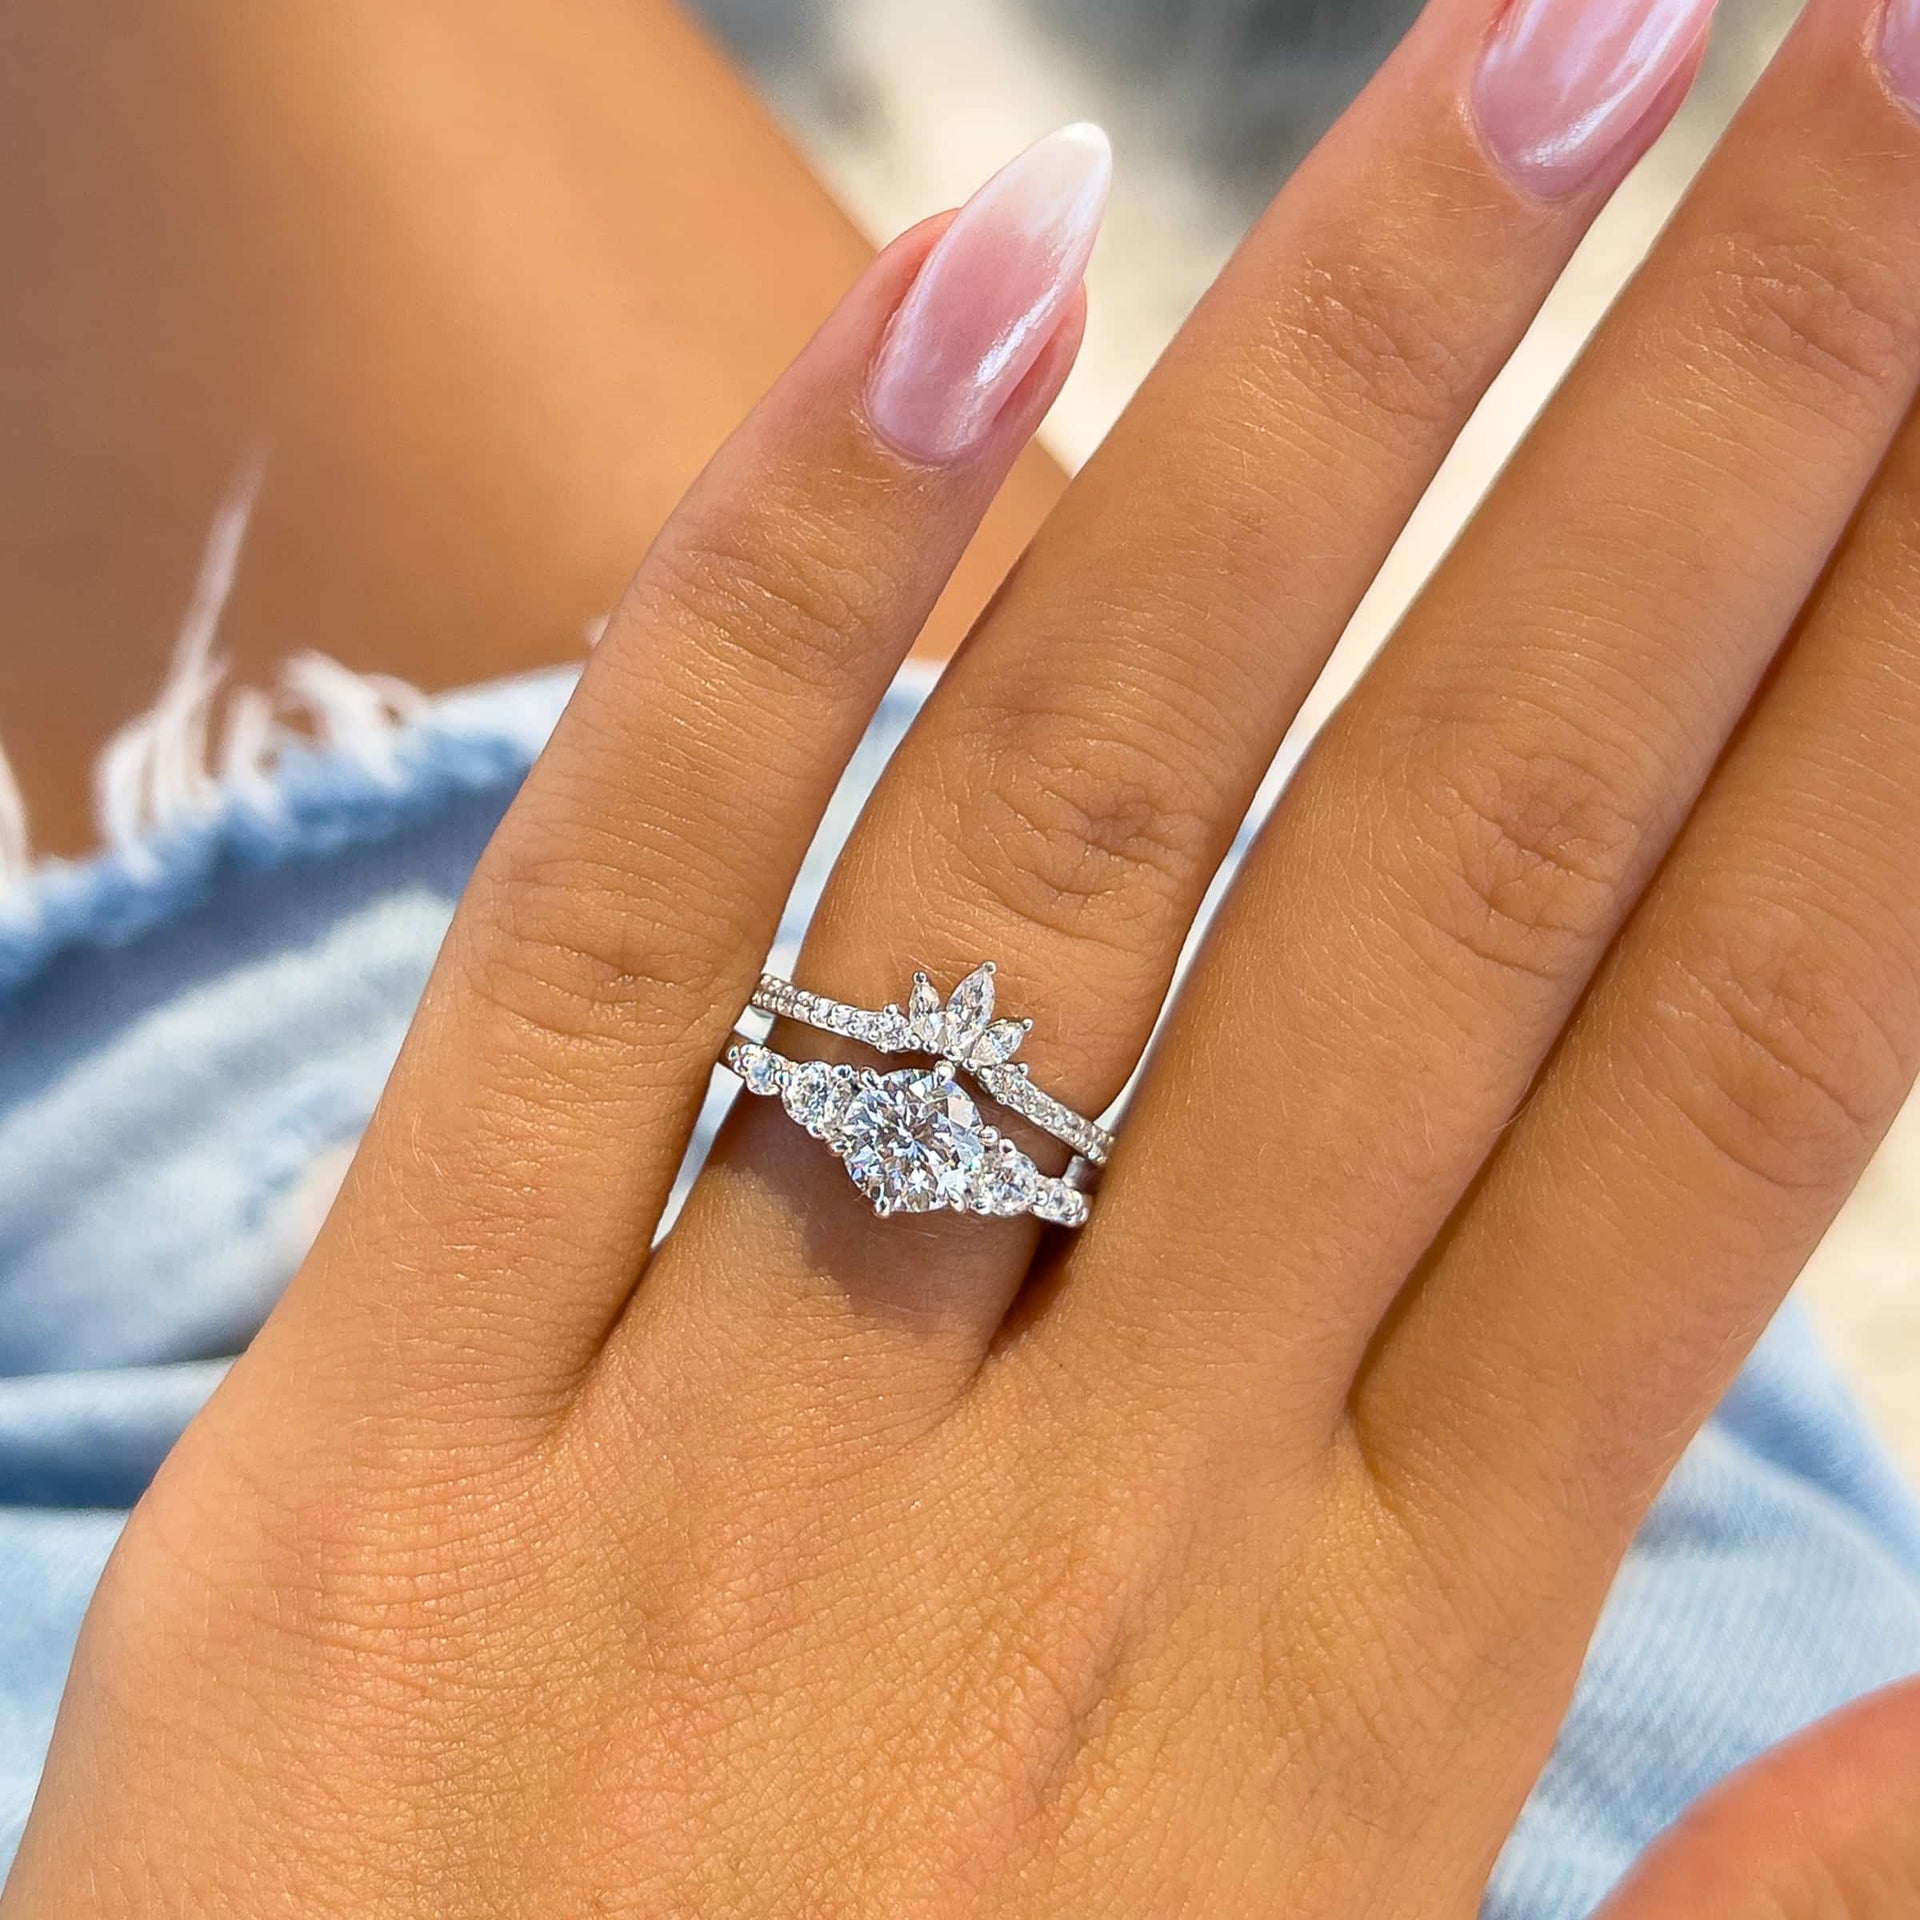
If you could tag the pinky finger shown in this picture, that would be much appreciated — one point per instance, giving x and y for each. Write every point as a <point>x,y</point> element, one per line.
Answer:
<point>1821,1825</point>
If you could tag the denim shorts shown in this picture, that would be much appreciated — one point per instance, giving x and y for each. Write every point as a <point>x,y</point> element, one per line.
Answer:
<point>197,1024</point>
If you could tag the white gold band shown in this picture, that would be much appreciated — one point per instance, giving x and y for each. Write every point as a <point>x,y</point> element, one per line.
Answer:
<point>962,1030</point>
<point>913,1141</point>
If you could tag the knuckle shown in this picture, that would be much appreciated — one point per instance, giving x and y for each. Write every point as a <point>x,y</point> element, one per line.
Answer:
<point>323,1556</point>
<point>571,949</point>
<point>1786,1062</point>
<point>1519,849</point>
<point>1075,830</point>
<point>1821,310</point>
<point>794,599</point>
<point>1379,337</point>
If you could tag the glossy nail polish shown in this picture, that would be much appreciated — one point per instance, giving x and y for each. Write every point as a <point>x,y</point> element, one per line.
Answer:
<point>1565,85</point>
<point>1900,52</point>
<point>989,296</point>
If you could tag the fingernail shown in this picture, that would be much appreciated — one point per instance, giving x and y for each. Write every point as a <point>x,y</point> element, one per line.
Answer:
<point>1564,85</point>
<point>989,296</point>
<point>1900,51</point>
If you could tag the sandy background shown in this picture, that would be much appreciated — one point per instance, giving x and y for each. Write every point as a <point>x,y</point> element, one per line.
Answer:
<point>906,105</point>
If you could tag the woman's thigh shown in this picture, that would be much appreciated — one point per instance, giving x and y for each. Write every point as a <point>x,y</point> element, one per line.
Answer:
<point>480,283</point>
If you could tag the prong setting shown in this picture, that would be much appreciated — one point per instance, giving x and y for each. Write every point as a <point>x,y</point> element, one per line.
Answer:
<point>911,1141</point>
<point>961,1032</point>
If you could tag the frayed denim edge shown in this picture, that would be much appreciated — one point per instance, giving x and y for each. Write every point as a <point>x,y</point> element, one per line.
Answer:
<point>317,800</point>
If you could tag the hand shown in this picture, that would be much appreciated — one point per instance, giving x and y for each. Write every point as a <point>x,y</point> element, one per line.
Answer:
<point>1821,1826</point>
<point>1237,1553</point>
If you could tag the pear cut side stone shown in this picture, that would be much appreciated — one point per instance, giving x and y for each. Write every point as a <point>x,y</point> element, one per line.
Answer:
<point>1004,1182</point>
<point>911,1141</point>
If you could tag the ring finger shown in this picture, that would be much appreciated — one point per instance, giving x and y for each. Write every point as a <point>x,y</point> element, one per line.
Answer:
<point>502,1203</point>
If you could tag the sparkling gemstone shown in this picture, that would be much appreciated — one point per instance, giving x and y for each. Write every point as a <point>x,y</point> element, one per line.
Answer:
<point>1002,1183</point>
<point>816,1095</point>
<point>925,1017</point>
<point>758,1068</point>
<point>999,1043</point>
<point>1062,1205</point>
<point>969,1010</point>
<point>911,1140</point>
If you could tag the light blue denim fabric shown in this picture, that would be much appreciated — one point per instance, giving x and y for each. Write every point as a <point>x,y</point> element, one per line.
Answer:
<point>187,1043</point>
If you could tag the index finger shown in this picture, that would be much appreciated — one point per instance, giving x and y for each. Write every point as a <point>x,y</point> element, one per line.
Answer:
<point>508,1188</point>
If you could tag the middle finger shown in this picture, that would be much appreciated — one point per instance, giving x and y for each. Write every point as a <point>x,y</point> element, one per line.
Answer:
<point>1074,782</point>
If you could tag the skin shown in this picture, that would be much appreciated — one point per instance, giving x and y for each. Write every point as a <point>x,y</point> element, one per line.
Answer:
<point>1238,1556</point>
<point>486,281</point>
<point>1820,1829</point>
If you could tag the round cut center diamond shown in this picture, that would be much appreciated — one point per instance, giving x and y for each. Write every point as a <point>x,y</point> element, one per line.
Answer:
<point>912,1141</point>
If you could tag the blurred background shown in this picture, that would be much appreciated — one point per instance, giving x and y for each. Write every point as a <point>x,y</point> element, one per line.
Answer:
<point>475,284</point>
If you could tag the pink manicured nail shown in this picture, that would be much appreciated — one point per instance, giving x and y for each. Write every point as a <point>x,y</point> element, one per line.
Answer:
<point>989,296</point>
<point>1900,51</point>
<point>1565,84</point>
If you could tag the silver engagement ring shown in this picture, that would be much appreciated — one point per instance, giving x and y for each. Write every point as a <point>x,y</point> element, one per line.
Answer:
<point>915,1141</point>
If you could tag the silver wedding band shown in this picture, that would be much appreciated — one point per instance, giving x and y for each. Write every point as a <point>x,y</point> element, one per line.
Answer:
<point>914,1141</point>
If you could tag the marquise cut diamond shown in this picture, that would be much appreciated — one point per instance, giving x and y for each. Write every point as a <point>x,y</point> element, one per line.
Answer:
<point>926,1017</point>
<point>969,1009</point>
<point>964,1029</point>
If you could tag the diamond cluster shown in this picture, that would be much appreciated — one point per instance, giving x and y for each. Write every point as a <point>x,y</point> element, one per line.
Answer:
<point>962,1030</point>
<point>911,1141</point>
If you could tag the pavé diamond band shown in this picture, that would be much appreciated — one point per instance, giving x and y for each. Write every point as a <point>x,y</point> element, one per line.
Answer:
<point>962,1030</point>
<point>914,1141</point>
<point>911,1141</point>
